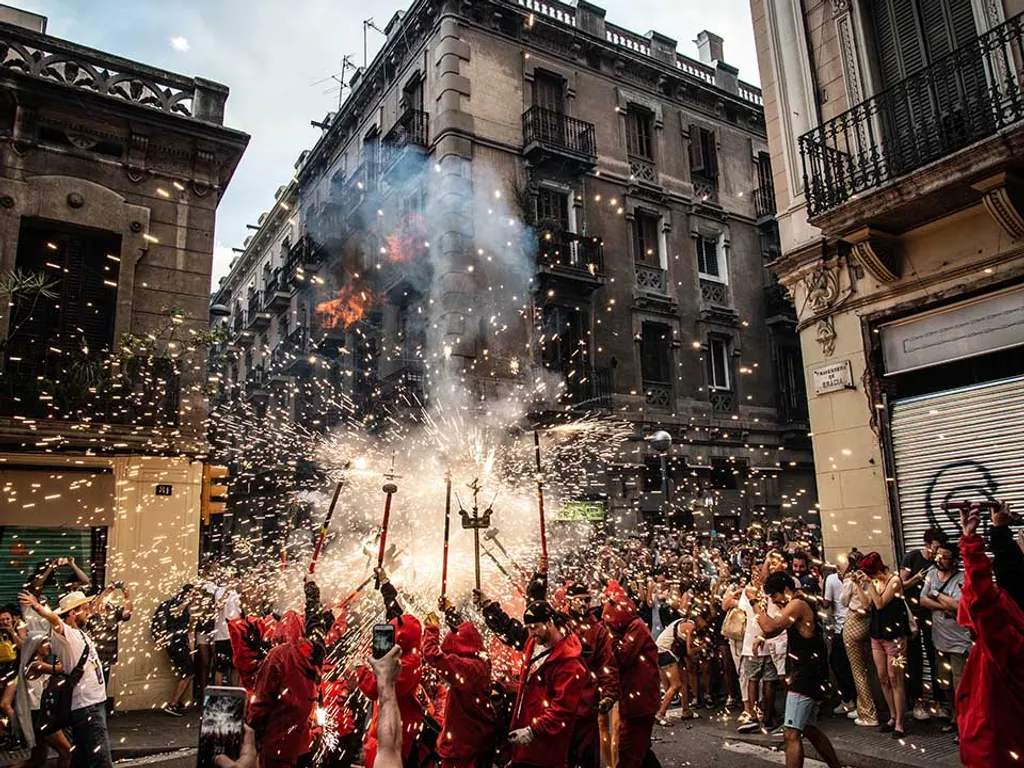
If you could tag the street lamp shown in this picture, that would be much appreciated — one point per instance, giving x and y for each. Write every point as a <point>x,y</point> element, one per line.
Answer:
<point>661,441</point>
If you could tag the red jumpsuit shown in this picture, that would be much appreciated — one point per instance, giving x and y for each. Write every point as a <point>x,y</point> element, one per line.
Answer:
<point>639,678</point>
<point>469,719</point>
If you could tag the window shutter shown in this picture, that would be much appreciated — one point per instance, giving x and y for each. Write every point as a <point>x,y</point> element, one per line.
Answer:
<point>696,149</point>
<point>710,154</point>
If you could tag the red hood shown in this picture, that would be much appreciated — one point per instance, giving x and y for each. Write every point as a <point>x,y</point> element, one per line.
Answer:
<point>570,647</point>
<point>619,608</point>
<point>465,641</point>
<point>289,628</point>
<point>408,632</point>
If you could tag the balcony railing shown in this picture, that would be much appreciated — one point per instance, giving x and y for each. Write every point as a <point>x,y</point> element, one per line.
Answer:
<point>658,394</point>
<point>714,294</point>
<point>764,199</point>
<point>651,279</point>
<point>408,379</point>
<point>559,132</point>
<point>722,401</point>
<point>588,387</point>
<point>705,188</point>
<point>963,97</point>
<point>411,130</point>
<point>569,251</point>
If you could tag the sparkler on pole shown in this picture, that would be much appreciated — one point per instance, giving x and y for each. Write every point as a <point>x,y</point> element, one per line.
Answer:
<point>324,527</point>
<point>390,489</point>
<point>447,529</point>
<point>492,535</point>
<point>540,495</point>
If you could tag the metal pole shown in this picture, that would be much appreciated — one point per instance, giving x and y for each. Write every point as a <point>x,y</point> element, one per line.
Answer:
<point>447,529</point>
<point>664,488</point>
<point>323,529</point>
<point>540,495</point>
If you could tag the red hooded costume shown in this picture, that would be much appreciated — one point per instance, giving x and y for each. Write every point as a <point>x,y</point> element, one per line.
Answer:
<point>990,698</point>
<point>639,679</point>
<point>408,635</point>
<point>548,701</point>
<point>469,718</point>
<point>282,703</point>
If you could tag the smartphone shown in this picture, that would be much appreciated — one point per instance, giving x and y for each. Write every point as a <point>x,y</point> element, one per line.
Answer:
<point>220,732</point>
<point>383,639</point>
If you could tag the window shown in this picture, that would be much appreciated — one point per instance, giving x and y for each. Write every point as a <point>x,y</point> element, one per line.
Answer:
<point>564,338</point>
<point>724,474</point>
<point>548,92</point>
<point>912,34</point>
<point>645,232</point>
<point>282,328</point>
<point>718,363</point>
<point>638,133</point>
<point>656,353</point>
<point>553,206</point>
<point>84,267</point>
<point>412,95</point>
<point>709,259</point>
<point>703,152</point>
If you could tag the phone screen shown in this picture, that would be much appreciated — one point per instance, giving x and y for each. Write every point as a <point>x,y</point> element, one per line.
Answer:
<point>383,640</point>
<point>220,732</point>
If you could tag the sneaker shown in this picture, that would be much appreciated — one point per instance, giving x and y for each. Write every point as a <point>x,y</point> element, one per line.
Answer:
<point>844,708</point>
<point>920,713</point>
<point>730,702</point>
<point>778,731</point>
<point>866,723</point>
<point>173,709</point>
<point>749,727</point>
<point>853,714</point>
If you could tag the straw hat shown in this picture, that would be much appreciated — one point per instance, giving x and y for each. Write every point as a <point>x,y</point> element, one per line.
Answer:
<point>72,600</point>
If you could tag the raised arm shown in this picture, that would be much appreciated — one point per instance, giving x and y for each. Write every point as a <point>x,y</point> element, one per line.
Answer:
<point>27,598</point>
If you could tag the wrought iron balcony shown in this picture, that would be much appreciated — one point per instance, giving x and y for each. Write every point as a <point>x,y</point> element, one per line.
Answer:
<point>723,401</point>
<point>411,134</point>
<point>587,387</point>
<point>408,379</point>
<point>764,199</point>
<point>547,134</point>
<point>964,97</point>
<point>571,253</point>
<point>275,295</point>
<point>714,294</point>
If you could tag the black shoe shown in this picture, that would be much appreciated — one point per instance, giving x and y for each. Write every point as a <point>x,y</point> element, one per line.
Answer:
<point>898,734</point>
<point>887,728</point>
<point>174,709</point>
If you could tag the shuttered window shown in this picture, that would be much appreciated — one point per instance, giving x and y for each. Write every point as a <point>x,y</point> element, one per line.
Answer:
<point>656,353</point>
<point>548,92</point>
<point>645,235</point>
<point>911,34</point>
<point>638,133</point>
<point>703,152</point>
<point>24,549</point>
<point>553,208</point>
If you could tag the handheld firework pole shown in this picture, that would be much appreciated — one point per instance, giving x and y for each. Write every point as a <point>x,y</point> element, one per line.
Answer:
<point>324,527</point>
<point>447,530</point>
<point>492,535</point>
<point>390,489</point>
<point>504,571</point>
<point>363,585</point>
<point>475,523</point>
<point>540,494</point>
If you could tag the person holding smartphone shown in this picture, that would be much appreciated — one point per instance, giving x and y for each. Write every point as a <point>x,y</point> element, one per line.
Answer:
<point>913,570</point>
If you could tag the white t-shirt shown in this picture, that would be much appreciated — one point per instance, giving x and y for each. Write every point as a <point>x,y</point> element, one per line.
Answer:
<point>231,609</point>
<point>834,594</point>
<point>68,646</point>
<point>753,630</point>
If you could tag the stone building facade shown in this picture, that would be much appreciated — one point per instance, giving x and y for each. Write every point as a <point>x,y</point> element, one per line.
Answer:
<point>111,175</point>
<point>895,131</point>
<point>527,192</point>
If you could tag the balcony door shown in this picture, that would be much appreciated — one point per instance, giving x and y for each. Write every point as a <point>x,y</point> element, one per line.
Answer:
<point>549,95</point>
<point>936,90</point>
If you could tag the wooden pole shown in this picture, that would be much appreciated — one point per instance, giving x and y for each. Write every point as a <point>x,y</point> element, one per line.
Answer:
<point>447,530</point>
<point>540,495</point>
<point>323,528</point>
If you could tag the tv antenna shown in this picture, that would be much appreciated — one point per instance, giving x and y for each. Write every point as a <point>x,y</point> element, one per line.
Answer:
<point>368,25</point>
<point>339,78</point>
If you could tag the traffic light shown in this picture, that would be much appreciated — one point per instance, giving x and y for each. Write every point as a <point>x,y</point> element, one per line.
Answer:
<point>215,491</point>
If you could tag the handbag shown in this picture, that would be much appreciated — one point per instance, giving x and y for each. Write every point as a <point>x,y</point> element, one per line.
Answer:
<point>911,620</point>
<point>734,627</point>
<point>55,702</point>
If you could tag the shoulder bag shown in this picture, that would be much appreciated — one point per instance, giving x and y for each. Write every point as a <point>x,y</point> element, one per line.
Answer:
<point>55,703</point>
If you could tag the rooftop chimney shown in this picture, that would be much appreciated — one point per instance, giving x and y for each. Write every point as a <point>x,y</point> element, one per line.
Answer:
<point>19,18</point>
<point>710,46</point>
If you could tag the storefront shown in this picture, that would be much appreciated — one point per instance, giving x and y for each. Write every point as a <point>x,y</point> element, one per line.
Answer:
<point>956,420</point>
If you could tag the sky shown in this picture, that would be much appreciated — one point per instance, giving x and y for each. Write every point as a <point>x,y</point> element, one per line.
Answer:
<point>277,57</point>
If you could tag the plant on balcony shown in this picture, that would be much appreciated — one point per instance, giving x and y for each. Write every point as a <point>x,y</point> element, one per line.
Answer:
<point>19,288</point>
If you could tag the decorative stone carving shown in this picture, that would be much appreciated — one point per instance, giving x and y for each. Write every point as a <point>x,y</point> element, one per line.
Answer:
<point>81,140</point>
<point>75,200</point>
<point>1004,199</point>
<point>135,227</point>
<point>825,333</point>
<point>878,252</point>
<point>7,201</point>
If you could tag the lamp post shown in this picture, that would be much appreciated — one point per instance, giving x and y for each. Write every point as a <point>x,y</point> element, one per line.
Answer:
<point>661,441</point>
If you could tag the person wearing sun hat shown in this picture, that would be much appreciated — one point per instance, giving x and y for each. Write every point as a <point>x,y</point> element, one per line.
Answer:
<point>88,700</point>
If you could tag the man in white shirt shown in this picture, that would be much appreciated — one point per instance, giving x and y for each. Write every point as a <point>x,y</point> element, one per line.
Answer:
<point>88,700</point>
<point>229,606</point>
<point>837,659</point>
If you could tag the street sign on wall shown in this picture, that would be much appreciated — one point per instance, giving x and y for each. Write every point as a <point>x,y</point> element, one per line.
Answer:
<point>834,377</point>
<point>582,511</point>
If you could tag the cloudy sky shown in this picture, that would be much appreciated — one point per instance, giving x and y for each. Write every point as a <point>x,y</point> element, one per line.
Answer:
<point>277,57</point>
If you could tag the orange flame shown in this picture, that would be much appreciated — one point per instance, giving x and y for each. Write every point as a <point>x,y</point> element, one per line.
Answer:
<point>408,240</point>
<point>349,306</point>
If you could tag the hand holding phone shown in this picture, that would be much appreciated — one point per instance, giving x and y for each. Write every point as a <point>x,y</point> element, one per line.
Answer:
<point>221,729</point>
<point>383,639</point>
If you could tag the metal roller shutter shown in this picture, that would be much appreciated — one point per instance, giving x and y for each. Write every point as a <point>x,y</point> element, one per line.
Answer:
<point>24,549</point>
<point>958,445</point>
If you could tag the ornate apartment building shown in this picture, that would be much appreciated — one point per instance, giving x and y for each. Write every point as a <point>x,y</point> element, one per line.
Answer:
<point>111,174</point>
<point>896,132</point>
<point>516,193</point>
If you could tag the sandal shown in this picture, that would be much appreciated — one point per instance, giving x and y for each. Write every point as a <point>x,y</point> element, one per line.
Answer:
<point>888,727</point>
<point>664,721</point>
<point>690,716</point>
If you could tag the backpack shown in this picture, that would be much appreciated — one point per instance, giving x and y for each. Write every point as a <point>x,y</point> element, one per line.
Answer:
<point>158,624</point>
<point>55,703</point>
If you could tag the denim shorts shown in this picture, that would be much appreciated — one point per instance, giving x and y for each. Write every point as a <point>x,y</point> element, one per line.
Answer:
<point>800,710</point>
<point>666,659</point>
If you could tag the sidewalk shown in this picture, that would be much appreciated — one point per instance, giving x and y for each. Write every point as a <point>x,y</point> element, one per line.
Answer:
<point>924,746</point>
<point>139,734</point>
